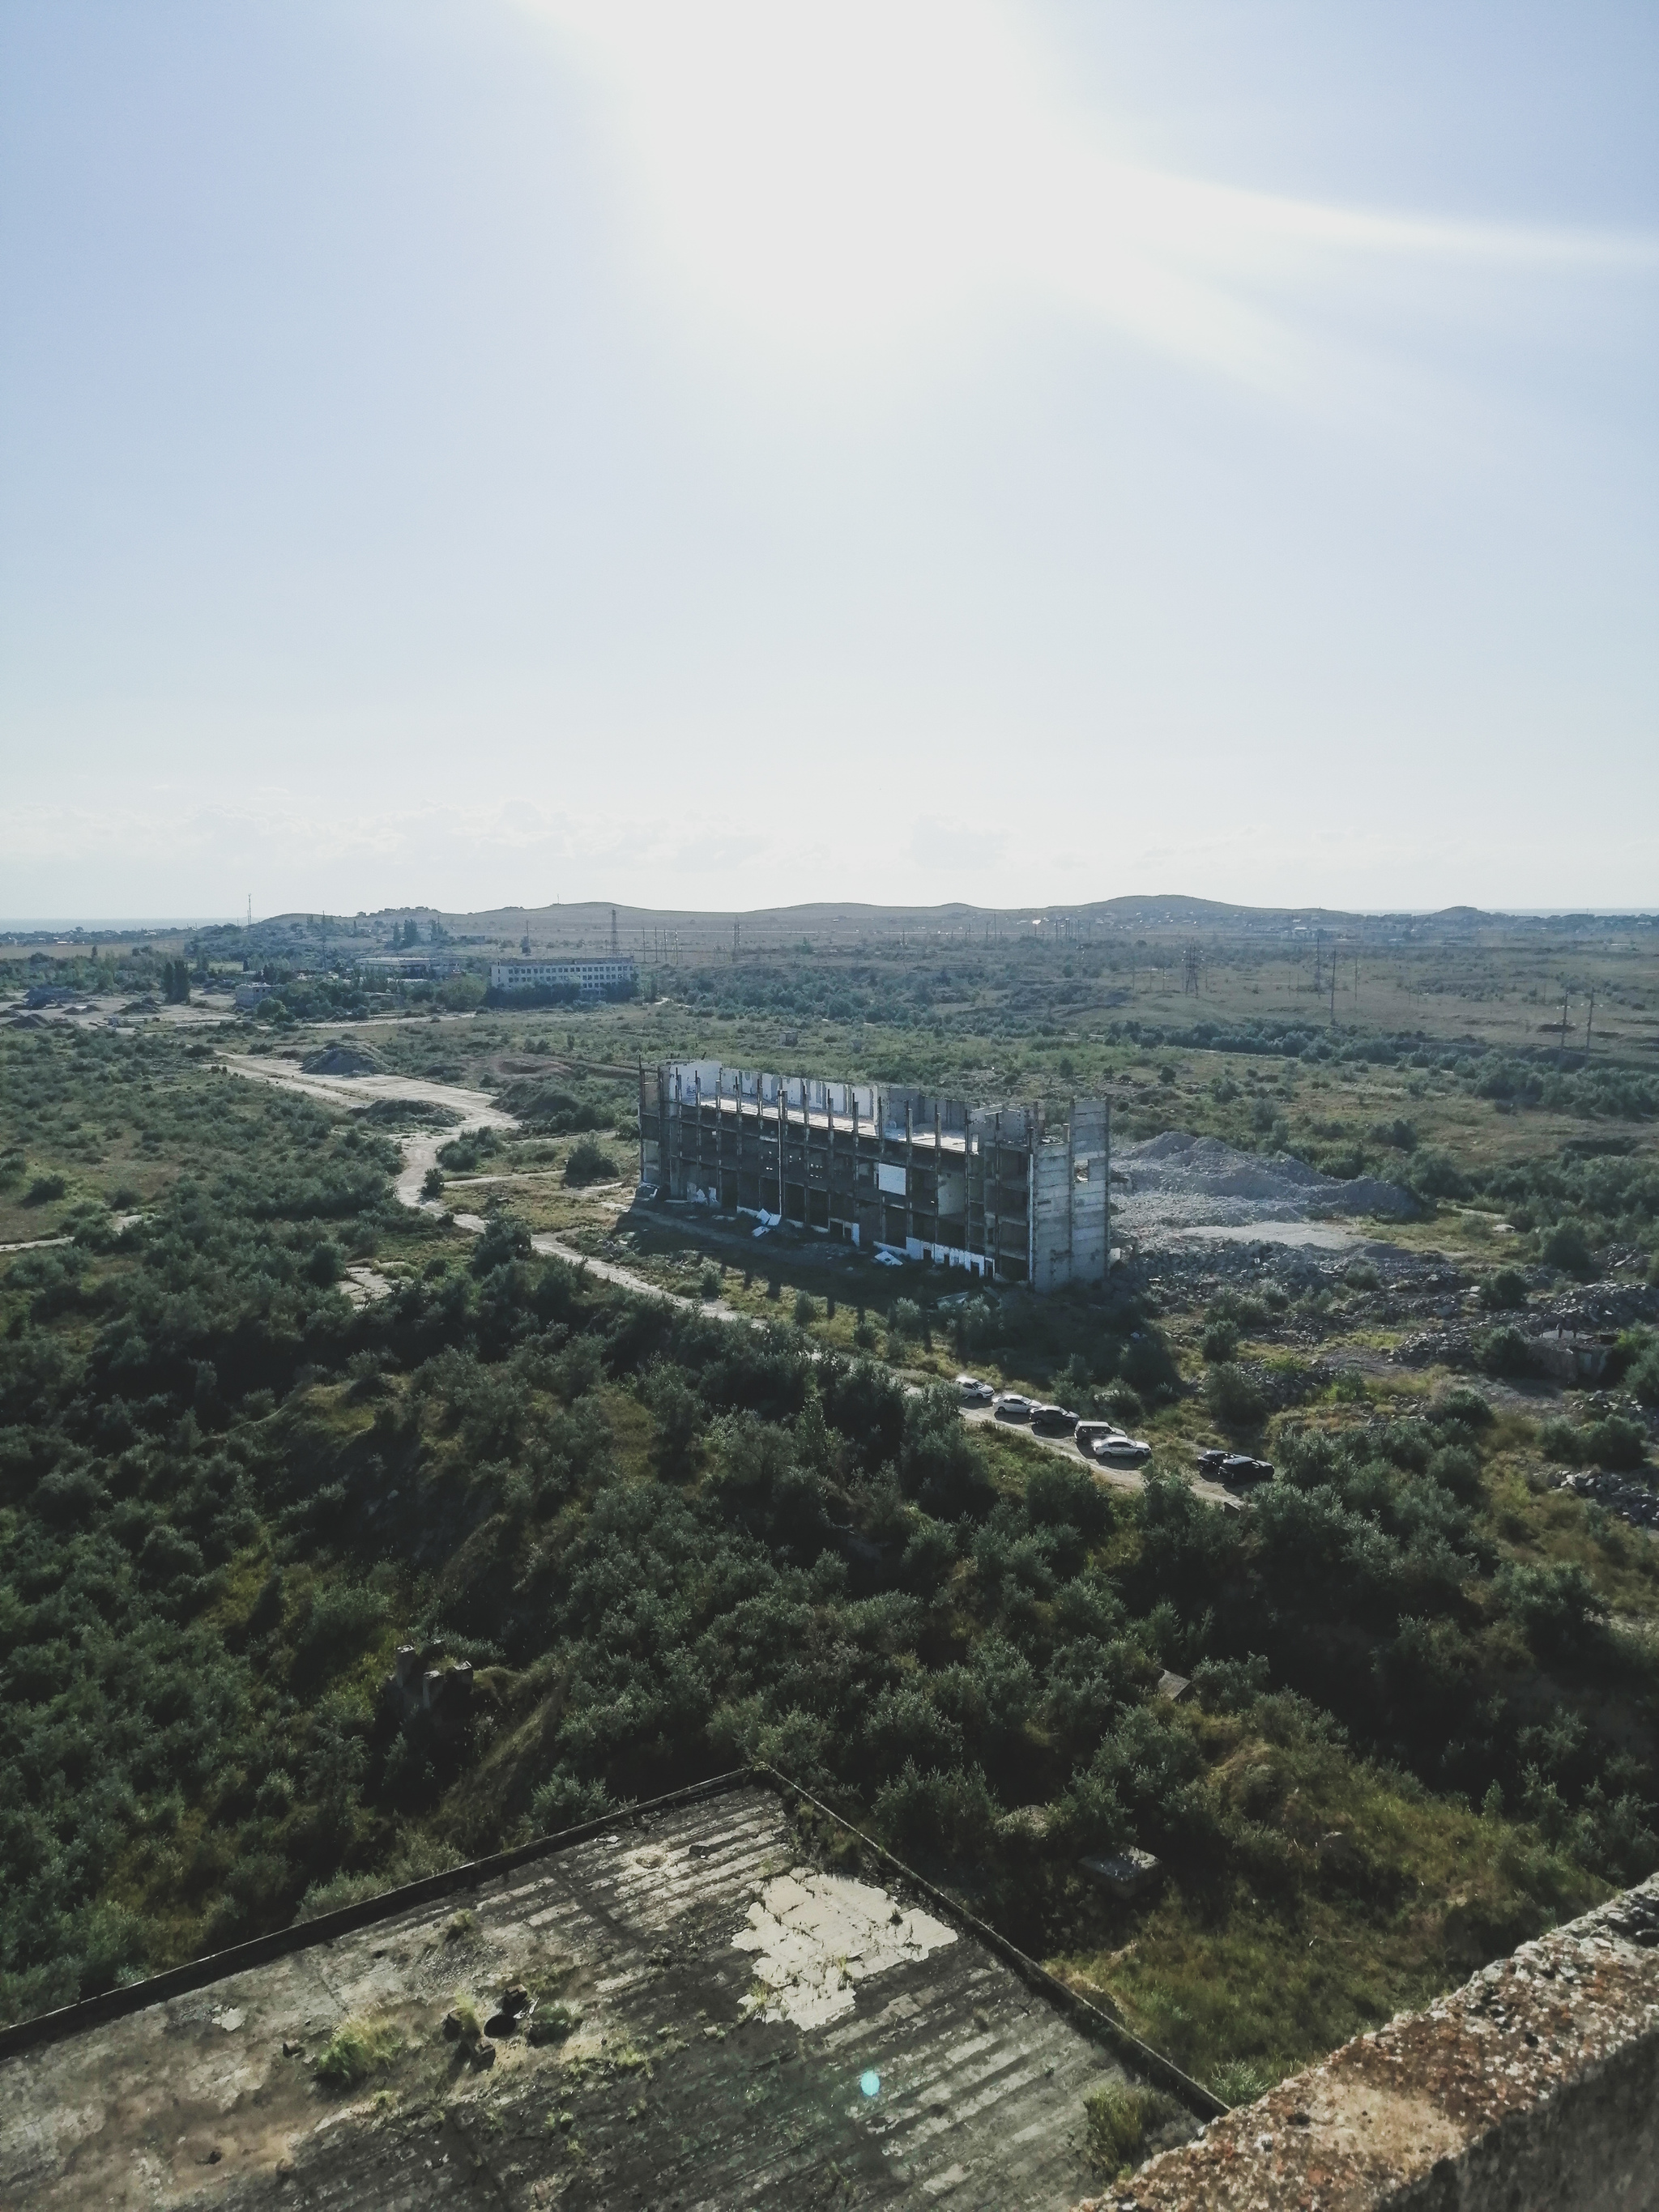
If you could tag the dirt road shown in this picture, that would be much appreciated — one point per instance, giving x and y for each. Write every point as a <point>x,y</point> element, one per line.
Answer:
<point>477,1109</point>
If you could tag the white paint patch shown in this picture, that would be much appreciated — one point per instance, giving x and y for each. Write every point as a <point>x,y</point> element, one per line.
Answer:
<point>816,1936</point>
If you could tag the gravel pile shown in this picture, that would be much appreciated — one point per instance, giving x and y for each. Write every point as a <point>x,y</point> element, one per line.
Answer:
<point>1178,1181</point>
<point>340,1059</point>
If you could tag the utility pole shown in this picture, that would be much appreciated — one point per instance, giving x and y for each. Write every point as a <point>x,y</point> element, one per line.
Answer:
<point>1561,1049</point>
<point>734,940</point>
<point>615,947</point>
<point>1589,1026</point>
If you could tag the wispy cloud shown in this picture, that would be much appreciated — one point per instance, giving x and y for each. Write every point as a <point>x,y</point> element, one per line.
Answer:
<point>839,183</point>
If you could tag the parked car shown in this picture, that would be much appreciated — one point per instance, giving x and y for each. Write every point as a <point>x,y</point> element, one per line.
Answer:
<point>1239,1467</point>
<point>1120,1450</point>
<point>1010,1406</point>
<point>973,1392</point>
<point>1053,1421</point>
<point>1090,1435</point>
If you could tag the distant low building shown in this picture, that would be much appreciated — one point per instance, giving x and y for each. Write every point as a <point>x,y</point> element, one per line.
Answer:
<point>594,979</point>
<point>248,995</point>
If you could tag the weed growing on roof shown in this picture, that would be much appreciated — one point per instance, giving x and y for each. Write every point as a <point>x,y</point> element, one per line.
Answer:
<point>1117,2121</point>
<point>358,2048</point>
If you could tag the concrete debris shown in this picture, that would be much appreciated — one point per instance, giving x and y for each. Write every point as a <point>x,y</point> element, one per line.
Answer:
<point>1125,1873</point>
<point>816,1936</point>
<point>1176,1182</point>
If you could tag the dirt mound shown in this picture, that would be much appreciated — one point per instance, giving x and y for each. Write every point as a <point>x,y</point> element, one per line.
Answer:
<point>340,1059</point>
<point>1180,1182</point>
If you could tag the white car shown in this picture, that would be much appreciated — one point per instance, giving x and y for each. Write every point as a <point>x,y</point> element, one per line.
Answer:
<point>1123,1451</point>
<point>973,1392</point>
<point>1012,1407</point>
<point>1090,1435</point>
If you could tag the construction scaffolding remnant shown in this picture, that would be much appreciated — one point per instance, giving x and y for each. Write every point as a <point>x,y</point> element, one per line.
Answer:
<point>1002,1191</point>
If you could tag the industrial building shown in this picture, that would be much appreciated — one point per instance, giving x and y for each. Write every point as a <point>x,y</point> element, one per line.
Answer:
<point>1006,1192</point>
<point>594,979</point>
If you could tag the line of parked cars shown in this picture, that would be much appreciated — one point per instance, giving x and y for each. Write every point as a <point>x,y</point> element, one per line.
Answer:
<point>1103,1441</point>
<point>1097,1440</point>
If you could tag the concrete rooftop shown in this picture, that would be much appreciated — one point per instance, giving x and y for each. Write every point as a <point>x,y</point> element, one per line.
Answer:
<point>730,2002</point>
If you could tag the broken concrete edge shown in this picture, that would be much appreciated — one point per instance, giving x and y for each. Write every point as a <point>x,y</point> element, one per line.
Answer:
<point>1535,2082</point>
<point>303,1935</point>
<point>1164,2072</point>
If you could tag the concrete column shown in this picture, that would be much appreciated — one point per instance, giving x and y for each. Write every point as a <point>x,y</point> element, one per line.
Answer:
<point>909,1174</point>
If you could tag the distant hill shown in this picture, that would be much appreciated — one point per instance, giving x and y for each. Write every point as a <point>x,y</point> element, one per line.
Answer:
<point>844,926</point>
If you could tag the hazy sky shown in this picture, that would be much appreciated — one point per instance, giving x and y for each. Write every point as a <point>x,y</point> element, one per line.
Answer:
<point>472,451</point>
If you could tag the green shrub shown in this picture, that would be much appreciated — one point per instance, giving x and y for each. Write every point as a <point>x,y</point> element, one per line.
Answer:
<point>1219,1341</point>
<point>1462,1404</point>
<point>1642,1376</point>
<point>1505,1291</point>
<point>709,1282</point>
<point>551,2023</point>
<point>805,1311</point>
<point>1554,1606</point>
<point>904,1323</point>
<point>358,2049</point>
<point>1502,1351</point>
<point>1559,1439</point>
<point>44,1190</point>
<point>1123,1401</point>
<point>1615,1443</point>
<point>1234,1404</point>
<point>1401,1135</point>
<point>588,1163</point>
<point>1433,1175</point>
<point>324,1263</point>
<point>1567,1247</point>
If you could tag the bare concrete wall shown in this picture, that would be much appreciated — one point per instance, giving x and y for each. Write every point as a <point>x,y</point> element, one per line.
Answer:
<point>1534,2086</point>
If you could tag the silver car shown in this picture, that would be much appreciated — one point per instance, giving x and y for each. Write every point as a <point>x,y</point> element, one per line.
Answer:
<point>1012,1407</point>
<point>972,1392</point>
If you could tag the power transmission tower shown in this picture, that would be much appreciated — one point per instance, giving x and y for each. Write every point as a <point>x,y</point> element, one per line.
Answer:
<point>1189,973</point>
<point>615,947</point>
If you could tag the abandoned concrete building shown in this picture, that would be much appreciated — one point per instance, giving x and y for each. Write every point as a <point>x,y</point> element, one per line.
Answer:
<point>1006,1192</point>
